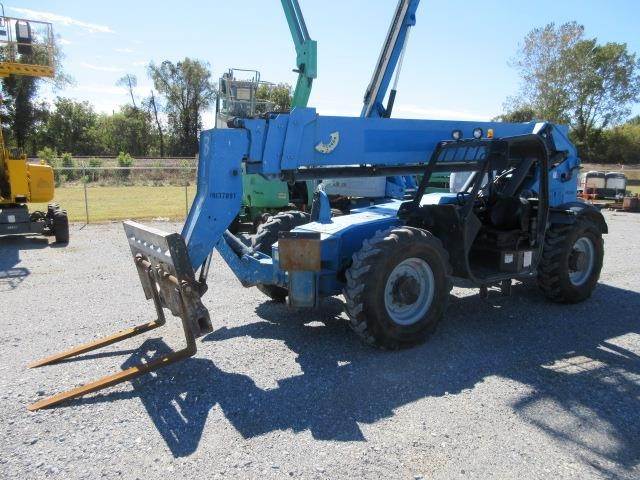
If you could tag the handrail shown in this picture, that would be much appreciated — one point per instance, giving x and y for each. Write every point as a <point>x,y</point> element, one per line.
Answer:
<point>20,63</point>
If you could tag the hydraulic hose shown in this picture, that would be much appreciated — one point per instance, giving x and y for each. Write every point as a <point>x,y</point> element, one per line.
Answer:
<point>236,245</point>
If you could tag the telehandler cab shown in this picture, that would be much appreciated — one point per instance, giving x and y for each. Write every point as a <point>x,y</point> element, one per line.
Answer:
<point>395,262</point>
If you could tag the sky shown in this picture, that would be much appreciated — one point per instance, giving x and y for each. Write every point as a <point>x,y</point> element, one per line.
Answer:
<point>456,64</point>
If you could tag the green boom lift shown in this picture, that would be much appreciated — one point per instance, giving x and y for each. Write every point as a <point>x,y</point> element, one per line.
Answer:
<point>261,197</point>
<point>306,53</point>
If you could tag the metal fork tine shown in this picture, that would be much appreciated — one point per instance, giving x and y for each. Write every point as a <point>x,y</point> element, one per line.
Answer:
<point>110,339</point>
<point>99,343</point>
<point>124,375</point>
<point>113,379</point>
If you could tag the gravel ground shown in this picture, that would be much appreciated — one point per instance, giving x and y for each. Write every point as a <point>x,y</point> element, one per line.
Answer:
<point>506,388</point>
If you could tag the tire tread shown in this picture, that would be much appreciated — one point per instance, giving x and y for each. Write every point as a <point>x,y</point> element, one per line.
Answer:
<point>372,251</point>
<point>267,235</point>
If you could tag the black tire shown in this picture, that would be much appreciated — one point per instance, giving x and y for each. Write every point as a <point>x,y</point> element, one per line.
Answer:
<point>61,226</point>
<point>51,208</point>
<point>235,225</point>
<point>368,276</point>
<point>259,220</point>
<point>267,235</point>
<point>37,216</point>
<point>558,261</point>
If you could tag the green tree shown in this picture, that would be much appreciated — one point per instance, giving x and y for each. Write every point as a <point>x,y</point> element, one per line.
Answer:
<point>151,106</point>
<point>68,163</point>
<point>48,155</point>
<point>124,161</point>
<point>21,112</point>
<point>129,130</point>
<point>187,90</point>
<point>604,81</point>
<point>36,139</point>
<point>129,82</point>
<point>634,121</point>
<point>71,127</point>
<point>567,78</point>
<point>622,144</point>
<point>279,95</point>
<point>93,175</point>
<point>540,64</point>
<point>518,115</point>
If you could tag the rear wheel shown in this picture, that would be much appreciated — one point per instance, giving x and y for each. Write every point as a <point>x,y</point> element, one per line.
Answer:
<point>61,226</point>
<point>51,208</point>
<point>398,287</point>
<point>571,261</point>
<point>267,236</point>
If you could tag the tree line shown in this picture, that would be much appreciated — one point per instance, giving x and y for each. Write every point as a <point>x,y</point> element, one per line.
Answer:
<point>569,78</point>
<point>164,123</point>
<point>566,78</point>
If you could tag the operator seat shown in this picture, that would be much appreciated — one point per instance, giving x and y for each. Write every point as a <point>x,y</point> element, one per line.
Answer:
<point>513,184</point>
<point>508,211</point>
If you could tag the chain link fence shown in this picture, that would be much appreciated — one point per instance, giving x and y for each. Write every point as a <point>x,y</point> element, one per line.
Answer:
<point>92,194</point>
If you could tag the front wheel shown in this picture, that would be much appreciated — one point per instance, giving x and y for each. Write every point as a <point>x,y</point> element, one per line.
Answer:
<point>571,261</point>
<point>397,287</point>
<point>267,236</point>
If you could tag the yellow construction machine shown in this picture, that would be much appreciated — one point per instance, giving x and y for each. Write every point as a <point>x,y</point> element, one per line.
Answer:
<point>27,49</point>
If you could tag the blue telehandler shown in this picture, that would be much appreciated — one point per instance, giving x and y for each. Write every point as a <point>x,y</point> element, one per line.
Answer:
<point>516,218</point>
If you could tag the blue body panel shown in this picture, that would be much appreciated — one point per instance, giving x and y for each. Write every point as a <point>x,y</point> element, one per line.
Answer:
<point>563,179</point>
<point>219,193</point>
<point>342,236</point>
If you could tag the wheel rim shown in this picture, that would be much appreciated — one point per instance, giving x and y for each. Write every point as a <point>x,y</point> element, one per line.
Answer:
<point>409,291</point>
<point>581,261</point>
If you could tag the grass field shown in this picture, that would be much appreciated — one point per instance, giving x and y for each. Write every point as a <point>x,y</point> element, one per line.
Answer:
<point>122,202</point>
